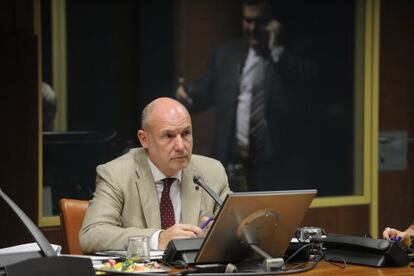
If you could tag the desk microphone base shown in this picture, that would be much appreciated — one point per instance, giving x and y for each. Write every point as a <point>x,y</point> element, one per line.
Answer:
<point>272,264</point>
<point>269,263</point>
<point>51,266</point>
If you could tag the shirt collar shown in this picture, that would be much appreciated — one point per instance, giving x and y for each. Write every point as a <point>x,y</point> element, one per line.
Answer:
<point>159,176</point>
<point>251,61</point>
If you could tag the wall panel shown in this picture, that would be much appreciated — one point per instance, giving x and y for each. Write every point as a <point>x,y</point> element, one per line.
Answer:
<point>396,110</point>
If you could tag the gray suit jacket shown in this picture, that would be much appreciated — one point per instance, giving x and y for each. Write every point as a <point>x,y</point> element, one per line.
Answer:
<point>125,201</point>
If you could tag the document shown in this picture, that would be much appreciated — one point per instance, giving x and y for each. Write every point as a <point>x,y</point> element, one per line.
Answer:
<point>154,254</point>
<point>27,247</point>
<point>97,261</point>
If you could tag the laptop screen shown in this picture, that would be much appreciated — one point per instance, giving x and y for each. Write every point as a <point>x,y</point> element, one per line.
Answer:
<point>267,219</point>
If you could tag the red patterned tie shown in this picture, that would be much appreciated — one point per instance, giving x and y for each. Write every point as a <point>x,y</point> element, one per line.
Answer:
<point>166,207</point>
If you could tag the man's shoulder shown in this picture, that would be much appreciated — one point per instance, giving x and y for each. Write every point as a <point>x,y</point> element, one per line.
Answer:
<point>126,160</point>
<point>124,169</point>
<point>201,161</point>
<point>210,170</point>
<point>231,45</point>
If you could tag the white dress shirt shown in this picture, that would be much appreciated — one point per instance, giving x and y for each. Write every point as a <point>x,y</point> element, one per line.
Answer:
<point>252,69</point>
<point>175,195</point>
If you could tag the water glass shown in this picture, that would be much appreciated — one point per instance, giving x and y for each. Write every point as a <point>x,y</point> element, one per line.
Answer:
<point>138,249</point>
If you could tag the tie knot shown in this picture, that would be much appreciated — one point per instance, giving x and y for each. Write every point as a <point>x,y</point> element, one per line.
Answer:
<point>168,182</point>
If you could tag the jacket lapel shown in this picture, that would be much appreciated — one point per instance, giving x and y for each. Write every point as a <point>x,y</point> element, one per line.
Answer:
<point>147,192</point>
<point>268,81</point>
<point>190,197</point>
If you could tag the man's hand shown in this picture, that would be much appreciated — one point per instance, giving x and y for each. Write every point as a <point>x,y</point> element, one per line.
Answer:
<point>178,231</point>
<point>392,233</point>
<point>273,28</point>
<point>180,94</point>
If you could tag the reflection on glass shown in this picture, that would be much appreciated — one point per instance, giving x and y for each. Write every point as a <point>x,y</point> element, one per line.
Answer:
<point>115,67</point>
<point>49,107</point>
<point>69,162</point>
<point>283,95</point>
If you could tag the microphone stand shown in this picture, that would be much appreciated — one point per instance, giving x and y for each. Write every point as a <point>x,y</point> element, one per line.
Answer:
<point>269,263</point>
<point>263,219</point>
<point>197,180</point>
<point>38,236</point>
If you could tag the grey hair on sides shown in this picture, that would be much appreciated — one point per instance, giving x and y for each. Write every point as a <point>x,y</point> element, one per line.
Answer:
<point>144,115</point>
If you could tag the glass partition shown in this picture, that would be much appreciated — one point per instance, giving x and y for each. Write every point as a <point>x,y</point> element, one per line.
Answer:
<point>102,74</point>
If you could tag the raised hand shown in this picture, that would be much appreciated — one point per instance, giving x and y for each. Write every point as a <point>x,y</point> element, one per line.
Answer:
<point>273,28</point>
<point>181,95</point>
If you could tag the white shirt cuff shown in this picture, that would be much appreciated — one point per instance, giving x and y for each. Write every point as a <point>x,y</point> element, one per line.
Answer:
<point>154,240</point>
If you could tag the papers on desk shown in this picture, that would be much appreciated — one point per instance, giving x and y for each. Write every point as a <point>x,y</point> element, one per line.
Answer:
<point>27,247</point>
<point>96,260</point>
<point>154,254</point>
<point>92,257</point>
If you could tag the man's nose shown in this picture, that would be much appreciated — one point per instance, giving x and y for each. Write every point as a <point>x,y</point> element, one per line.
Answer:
<point>179,143</point>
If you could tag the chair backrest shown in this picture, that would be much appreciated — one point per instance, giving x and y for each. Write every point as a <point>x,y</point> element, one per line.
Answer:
<point>72,212</point>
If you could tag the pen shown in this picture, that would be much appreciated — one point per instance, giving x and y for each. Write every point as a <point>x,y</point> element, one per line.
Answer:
<point>395,238</point>
<point>204,224</point>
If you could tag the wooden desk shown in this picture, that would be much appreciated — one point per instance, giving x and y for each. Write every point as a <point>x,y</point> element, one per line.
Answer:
<point>326,268</point>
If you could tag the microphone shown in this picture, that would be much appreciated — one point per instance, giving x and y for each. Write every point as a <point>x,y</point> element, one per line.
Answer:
<point>41,240</point>
<point>43,262</point>
<point>198,181</point>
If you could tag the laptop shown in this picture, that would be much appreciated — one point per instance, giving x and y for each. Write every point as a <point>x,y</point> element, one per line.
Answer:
<point>266,219</point>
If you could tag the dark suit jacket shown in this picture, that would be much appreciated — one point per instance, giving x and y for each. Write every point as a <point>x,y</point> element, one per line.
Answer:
<point>125,201</point>
<point>284,91</point>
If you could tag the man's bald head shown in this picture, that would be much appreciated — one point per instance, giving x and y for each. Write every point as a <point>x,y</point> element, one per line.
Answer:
<point>161,106</point>
<point>166,135</point>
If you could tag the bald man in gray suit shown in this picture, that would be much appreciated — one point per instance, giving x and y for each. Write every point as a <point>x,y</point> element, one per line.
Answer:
<point>129,189</point>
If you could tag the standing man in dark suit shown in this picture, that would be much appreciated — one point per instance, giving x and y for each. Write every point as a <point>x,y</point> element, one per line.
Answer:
<point>258,88</point>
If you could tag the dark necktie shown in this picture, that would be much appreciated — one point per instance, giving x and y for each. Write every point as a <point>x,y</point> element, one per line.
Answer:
<point>257,126</point>
<point>166,207</point>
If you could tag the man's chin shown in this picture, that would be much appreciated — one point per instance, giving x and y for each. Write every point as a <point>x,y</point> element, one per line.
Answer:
<point>181,163</point>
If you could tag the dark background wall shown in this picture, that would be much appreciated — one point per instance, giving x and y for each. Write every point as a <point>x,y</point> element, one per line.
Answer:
<point>396,109</point>
<point>19,116</point>
<point>108,91</point>
<point>19,101</point>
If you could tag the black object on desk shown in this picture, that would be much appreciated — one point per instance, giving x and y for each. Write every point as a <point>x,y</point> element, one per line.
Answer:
<point>364,251</point>
<point>184,249</point>
<point>42,263</point>
<point>51,266</point>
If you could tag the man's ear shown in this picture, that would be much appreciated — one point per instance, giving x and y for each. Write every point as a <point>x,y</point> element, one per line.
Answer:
<point>142,137</point>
